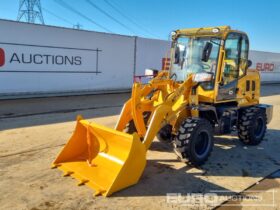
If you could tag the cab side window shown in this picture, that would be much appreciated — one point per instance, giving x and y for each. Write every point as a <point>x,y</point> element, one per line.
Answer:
<point>232,55</point>
<point>243,55</point>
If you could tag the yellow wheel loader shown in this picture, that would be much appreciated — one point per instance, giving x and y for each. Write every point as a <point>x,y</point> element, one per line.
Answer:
<point>207,91</point>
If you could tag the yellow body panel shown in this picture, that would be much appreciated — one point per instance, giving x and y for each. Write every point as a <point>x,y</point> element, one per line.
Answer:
<point>206,96</point>
<point>249,97</point>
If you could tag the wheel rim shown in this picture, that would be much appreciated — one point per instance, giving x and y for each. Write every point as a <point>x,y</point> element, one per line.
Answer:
<point>202,143</point>
<point>259,127</point>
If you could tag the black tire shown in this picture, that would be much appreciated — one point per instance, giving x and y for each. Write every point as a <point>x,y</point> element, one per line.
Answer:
<point>130,127</point>
<point>194,141</point>
<point>252,125</point>
<point>165,134</point>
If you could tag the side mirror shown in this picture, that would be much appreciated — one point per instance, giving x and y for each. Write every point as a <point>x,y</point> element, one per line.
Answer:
<point>151,72</point>
<point>177,55</point>
<point>207,51</point>
<point>249,63</point>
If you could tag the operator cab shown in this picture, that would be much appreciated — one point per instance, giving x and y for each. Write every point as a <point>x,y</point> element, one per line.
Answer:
<point>190,57</point>
<point>197,51</point>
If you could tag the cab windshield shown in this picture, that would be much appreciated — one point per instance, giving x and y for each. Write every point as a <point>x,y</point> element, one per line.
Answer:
<point>188,57</point>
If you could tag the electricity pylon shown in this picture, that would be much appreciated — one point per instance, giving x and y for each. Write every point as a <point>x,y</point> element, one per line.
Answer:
<point>30,11</point>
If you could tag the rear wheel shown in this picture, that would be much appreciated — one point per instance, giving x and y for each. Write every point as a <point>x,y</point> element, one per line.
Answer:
<point>252,126</point>
<point>194,141</point>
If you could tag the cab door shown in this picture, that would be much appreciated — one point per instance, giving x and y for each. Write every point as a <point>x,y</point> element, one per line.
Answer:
<point>227,88</point>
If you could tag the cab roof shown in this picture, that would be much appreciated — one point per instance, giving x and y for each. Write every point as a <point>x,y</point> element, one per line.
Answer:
<point>218,31</point>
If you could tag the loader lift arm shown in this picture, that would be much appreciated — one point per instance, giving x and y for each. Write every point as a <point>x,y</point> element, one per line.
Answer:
<point>162,113</point>
<point>166,112</point>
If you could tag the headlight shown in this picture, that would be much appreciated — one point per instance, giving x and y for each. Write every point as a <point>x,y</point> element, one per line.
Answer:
<point>202,77</point>
<point>151,72</point>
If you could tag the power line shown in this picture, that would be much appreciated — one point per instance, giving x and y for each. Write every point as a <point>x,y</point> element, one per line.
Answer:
<point>68,7</point>
<point>129,18</point>
<point>109,16</point>
<point>118,11</point>
<point>58,17</point>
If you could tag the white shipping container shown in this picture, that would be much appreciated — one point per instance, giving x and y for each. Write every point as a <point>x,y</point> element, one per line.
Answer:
<point>149,54</point>
<point>44,60</point>
<point>268,64</point>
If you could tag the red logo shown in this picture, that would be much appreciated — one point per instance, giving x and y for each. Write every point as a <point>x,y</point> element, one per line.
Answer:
<point>2,57</point>
<point>265,67</point>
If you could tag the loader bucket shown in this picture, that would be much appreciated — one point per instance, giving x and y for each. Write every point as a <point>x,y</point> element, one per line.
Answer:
<point>102,158</point>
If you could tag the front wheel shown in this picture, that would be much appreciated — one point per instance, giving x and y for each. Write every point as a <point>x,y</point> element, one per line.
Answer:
<point>194,141</point>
